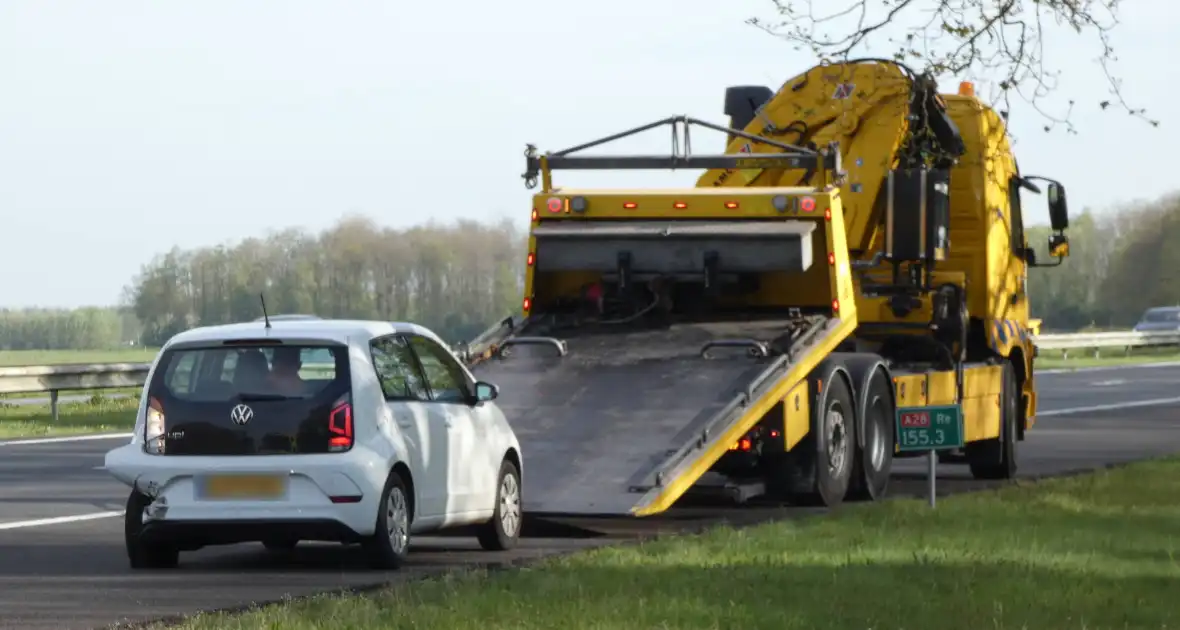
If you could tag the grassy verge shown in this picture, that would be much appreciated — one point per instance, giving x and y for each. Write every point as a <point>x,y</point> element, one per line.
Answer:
<point>97,415</point>
<point>1096,551</point>
<point>58,357</point>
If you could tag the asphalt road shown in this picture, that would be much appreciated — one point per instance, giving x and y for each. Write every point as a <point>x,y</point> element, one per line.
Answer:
<point>65,575</point>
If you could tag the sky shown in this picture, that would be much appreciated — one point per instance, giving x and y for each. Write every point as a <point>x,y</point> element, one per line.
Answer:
<point>128,127</point>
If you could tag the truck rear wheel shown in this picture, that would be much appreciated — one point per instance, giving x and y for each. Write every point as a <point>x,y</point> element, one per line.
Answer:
<point>996,458</point>
<point>818,471</point>
<point>875,458</point>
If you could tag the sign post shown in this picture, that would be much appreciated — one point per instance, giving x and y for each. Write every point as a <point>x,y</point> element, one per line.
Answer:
<point>930,429</point>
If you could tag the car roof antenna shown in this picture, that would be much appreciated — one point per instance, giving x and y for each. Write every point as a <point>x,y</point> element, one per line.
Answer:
<point>262,298</point>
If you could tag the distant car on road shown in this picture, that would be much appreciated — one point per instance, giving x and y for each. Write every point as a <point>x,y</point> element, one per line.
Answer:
<point>1160,319</point>
<point>314,429</point>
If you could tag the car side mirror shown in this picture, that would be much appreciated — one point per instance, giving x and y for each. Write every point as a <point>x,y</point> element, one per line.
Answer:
<point>1058,211</point>
<point>485,392</point>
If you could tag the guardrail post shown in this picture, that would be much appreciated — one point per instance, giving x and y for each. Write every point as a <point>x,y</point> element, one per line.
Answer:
<point>53,404</point>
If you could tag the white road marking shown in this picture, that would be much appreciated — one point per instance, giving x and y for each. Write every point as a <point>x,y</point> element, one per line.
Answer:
<point>1109,368</point>
<point>58,520</point>
<point>67,438</point>
<point>1110,383</point>
<point>1154,402</point>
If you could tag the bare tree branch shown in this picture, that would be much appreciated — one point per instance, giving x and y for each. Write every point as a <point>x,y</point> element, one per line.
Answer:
<point>1002,40</point>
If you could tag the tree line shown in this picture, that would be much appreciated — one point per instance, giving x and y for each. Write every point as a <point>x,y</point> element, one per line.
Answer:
<point>1121,263</point>
<point>88,328</point>
<point>456,279</point>
<point>461,277</point>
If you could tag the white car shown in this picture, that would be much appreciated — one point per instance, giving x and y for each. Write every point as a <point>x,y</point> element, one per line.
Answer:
<point>314,429</point>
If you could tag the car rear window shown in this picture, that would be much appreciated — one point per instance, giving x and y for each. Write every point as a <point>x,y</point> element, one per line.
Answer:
<point>221,373</point>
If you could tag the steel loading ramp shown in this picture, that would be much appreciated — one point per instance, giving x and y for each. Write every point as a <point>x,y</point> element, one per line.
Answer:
<point>624,423</point>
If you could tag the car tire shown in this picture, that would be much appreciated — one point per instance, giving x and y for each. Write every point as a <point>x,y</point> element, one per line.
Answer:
<point>389,545</point>
<point>502,532</point>
<point>140,553</point>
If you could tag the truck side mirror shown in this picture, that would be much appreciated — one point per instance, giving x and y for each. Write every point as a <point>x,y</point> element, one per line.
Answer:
<point>1058,212</point>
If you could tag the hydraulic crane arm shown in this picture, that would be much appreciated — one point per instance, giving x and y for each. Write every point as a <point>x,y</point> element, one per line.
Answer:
<point>879,112</point>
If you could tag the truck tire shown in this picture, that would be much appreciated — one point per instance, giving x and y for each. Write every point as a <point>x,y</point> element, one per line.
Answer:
<point>818,471</point>
<point>996,458</point>
<point>874,460</point>
<point>140,553</point>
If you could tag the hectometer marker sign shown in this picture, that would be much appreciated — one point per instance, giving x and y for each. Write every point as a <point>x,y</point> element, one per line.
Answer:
<point>933,428</point>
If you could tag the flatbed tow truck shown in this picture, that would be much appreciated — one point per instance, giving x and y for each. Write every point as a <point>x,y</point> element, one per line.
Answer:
<point>756,333</point>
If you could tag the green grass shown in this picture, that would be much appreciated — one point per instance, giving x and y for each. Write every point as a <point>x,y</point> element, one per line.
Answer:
<point>1096,551</point>
<point>98,415</point>
<point>57,357</point>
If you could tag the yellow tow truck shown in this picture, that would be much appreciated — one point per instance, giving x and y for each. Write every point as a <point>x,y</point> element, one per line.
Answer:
<point>858,248</point>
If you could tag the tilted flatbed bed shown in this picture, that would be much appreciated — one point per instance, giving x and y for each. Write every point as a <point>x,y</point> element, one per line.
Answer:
<point>623,423</point>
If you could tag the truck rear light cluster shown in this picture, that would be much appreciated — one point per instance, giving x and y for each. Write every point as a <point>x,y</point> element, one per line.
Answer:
<point>340,428</point>
<point>747,443</point>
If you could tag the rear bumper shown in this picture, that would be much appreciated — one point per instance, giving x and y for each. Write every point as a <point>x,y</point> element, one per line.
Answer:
<point>326,497</point>
<point>196,533</point>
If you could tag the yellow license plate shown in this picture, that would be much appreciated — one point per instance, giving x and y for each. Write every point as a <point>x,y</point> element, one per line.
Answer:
<point>244,486</point>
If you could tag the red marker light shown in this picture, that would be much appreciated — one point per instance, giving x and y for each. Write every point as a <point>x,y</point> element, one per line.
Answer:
<point>630,205</point>
<point>807,204</point>
<point>835,306</point>
<point>680,205</point>
<point>527,304</point>
<point>731,205</point>
<point>555,205</point>
<point>831,258</point>
<point>536,216</point>
<point>532,258</point>
<point>828,214</point>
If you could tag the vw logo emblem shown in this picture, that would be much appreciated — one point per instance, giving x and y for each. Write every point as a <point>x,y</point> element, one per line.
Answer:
<point>241,414</point>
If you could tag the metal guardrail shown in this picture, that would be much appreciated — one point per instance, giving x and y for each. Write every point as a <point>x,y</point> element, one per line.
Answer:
<point>1106,340</point>
<point>53,379</point>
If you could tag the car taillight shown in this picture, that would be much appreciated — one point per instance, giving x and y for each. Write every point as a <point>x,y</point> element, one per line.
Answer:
<point>340,425</point>
<point>153,428</point>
